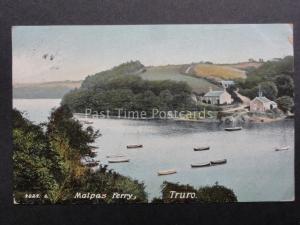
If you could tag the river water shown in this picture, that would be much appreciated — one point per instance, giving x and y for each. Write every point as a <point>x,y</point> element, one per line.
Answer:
<point>254,171</point>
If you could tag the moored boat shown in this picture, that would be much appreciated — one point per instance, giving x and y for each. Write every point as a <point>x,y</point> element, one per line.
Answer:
<point>282,148</point>
<point>202,148</point>
<point>118,160</point>
<point>233,128</point>
<point>86,122</point>
<point>218,162</point>
<point>115,156</point>
<point>166,172</point>
<point>89,162</point>
<point>134,146</point>
<point>92,164</point>
<point>195,165</point>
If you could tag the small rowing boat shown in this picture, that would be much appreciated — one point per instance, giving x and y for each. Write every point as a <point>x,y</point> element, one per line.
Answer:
<point>218,162</point>
<point>201,165</point>
<point>233,128</point>
<point>166,172</point>
<point>92,164</point>
<point>202,148</point>
<point>118,160</point>
<point>115,156</point>
<point>86,122</point>
<point>283,148</point>
<point>134,146</point>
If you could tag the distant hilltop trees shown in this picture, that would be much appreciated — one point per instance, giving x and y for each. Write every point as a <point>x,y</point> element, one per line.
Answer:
<point>251,60</point>
<point>124,69</point>
<point>275,78</point>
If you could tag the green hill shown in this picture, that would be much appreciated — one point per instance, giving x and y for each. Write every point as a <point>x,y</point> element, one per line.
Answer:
<point>174,72</point>
<point>152,73</point>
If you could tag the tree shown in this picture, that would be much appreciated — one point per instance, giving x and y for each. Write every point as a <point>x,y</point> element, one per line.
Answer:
<point>32,168</point>
<point>267,72</point>
<point>216,193</point>
<point>61,123</point>
<point>131,92</point>
<point>231,90</point>
<point>269,89</point>
<point>70,142</point>
<point>250,93</point>
<point>166,99</point>
<point>50,162</point>
<point>285,103</point>
<point>28,152</point>
<point>285,85</point>
<point>207,194</point>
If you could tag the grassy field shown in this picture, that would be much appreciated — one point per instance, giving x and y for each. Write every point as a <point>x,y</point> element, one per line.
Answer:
<point>172,72</point>
<point>245,65</point>
<point>218,72</point>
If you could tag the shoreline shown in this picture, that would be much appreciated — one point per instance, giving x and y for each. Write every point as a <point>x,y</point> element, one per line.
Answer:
<point>206,120</point>
<point>251,119</point>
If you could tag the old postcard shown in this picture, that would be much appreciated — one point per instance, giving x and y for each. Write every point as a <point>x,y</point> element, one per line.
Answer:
<point>153,113</point>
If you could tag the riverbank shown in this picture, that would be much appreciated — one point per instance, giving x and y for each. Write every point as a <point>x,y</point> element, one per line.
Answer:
<point>240,117</point>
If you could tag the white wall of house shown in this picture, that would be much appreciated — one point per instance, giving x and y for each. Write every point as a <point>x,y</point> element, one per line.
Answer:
<point>258,106</point>
<point>225,98</point>
<point>214,100</point>
<point>270,105</point>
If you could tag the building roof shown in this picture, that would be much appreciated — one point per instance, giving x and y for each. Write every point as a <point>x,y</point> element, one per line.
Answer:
<point>213,94</point>
<point>227,82</point>
<point>264,100</point>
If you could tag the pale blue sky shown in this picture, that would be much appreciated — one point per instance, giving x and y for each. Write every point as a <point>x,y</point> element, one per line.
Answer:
<point>82,50</point>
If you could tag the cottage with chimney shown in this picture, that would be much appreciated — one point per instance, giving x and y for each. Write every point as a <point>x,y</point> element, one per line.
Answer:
<point>217,97</point>
<point>262,104</point>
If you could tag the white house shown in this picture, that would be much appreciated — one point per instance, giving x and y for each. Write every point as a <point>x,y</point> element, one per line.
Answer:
<point>226,83</point>
<point>262,104</point>
<point>217,97</point>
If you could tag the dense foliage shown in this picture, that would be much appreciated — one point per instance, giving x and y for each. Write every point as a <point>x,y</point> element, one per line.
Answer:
<point>232,91</point>
<point>274,78</point>
<point>131,93</point>
<point>285,103</point>
<point>33,167</point>
<point>207,194</point>
<point>285,85</point>
<point>125,69</point>
<point>47,161</point>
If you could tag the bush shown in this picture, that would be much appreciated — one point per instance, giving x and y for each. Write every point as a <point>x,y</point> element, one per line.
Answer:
<point>231,90</point>
<point>207,194</point>
<point>49,163</point>
<point>280,72</point>
<point>285,85</point>
<point>285,103</point>
<point>269,90</point>
<point>131,93</point>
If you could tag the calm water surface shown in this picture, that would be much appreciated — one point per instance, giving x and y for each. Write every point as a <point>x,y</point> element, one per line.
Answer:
<point>254,171</point>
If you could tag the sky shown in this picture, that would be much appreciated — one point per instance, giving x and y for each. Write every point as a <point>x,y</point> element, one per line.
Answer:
<point>78,51</point>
